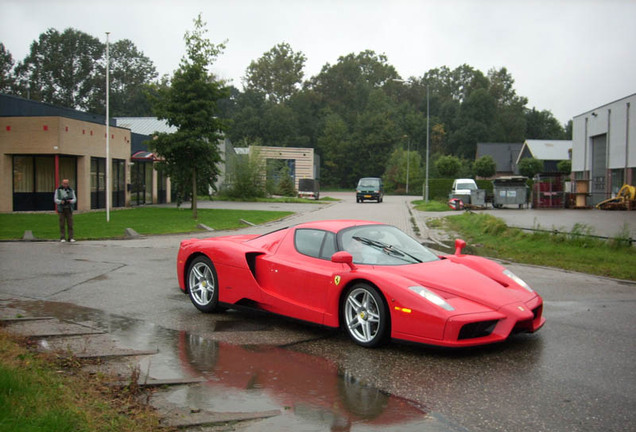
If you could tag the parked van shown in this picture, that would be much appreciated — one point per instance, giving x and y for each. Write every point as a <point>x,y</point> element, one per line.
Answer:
<point>370,188</point>
<point>462,189</point>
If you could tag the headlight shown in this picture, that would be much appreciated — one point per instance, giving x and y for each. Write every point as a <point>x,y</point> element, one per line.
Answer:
<point>517,279</point>
<point>432,297</point>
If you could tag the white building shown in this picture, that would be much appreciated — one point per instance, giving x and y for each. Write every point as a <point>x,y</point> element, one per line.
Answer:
<point>604,148</point>
<point>551,152</point>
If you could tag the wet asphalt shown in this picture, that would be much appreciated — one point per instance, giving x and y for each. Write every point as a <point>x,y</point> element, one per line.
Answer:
<point>577,374</point>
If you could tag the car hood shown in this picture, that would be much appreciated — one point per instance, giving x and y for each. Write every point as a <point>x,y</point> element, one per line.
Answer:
<point>450,279</point>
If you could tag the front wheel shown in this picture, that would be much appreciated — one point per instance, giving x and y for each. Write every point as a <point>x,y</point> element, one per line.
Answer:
<point>202,284</point>
<point>365,316</point>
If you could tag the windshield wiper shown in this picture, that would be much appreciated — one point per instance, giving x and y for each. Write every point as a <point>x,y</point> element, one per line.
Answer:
<point>387,248</point>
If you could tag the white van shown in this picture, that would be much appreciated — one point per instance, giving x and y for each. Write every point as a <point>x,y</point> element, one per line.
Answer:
<point>462,189</point>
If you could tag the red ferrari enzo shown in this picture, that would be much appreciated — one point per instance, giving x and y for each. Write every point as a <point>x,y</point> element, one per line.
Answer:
<point>369,278</point>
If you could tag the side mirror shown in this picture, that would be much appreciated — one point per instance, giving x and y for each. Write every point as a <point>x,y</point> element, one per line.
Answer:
<point>343,257</point>
<point>459,245</point>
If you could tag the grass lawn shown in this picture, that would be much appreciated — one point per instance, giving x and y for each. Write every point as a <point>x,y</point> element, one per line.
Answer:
<point>48,392</point>
<point>144,220</point>
<point>490,236</point>
<point>431,206</point>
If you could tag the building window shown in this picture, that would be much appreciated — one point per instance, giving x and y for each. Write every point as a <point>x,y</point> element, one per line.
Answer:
<point>34,180</point>
<point>23,174</point>
<point>141,182</point>
<point>68,170</point>
<point>162,186</point>
<point>45,174</point>
<point>98,183</point>
<point>618,180</point>
<point>119,183</point>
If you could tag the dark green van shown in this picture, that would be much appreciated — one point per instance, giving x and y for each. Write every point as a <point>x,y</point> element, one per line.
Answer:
<point>370,188</point>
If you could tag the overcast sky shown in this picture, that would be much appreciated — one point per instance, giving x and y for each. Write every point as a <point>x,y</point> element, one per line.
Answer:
<point>566,56</point>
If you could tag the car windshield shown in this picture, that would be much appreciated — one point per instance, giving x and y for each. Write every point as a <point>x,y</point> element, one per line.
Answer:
<point>469,186</point>
<point>368,183</point>
<point>382,245</point>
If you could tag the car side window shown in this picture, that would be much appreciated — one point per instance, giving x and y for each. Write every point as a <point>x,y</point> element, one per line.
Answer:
<point>315,243</point>
<point>328,246</point>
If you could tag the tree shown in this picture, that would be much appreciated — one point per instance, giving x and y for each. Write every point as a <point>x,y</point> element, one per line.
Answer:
<point>530,167</point>
<point>278,73</point>
<point>286,185</point>
<point>543,125</point>
<point>7,79</point>
<point>130,74</point>
<point>279,125</point>
<point>501,87</point>
<point>62,68</point>
<point>485,166</point>
<point>448,166</point>
<point>245,177</point>
<point>395,174</point>
<point>374,135</point>
<point>345,87</point>
<point>333,143</point>
<point>247,116</point>
<point>564,166</point>
<point>190,104</point>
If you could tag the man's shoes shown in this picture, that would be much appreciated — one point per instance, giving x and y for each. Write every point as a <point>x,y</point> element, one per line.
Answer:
<point>72,240</point>
<point>63,241</point>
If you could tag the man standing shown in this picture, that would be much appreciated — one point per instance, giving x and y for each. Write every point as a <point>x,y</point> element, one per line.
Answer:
<point>65,199</point>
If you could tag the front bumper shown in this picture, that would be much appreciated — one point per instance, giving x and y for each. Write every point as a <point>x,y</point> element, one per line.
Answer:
<point>484,328</point>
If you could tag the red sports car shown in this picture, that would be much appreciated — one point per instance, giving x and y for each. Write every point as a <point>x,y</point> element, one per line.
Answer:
<point>369,278</point>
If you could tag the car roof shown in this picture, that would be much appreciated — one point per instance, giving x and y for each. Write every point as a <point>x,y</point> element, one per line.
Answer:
<point>336,224</point>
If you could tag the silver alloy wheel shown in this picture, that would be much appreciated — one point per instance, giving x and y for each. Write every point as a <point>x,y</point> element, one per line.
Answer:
<point>201,283</point>
<point>363,316</point>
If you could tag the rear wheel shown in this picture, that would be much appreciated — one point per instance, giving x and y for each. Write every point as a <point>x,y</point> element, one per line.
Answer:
<point>364,316</point>
<point>202,284</point>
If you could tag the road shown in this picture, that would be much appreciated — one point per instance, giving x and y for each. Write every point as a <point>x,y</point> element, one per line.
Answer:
<point>577,374</point>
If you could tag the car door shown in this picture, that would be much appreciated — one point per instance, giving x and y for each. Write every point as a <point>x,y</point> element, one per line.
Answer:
<point>300,275</point>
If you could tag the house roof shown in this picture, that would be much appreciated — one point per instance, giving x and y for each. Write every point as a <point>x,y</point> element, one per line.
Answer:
<point>547,149</point>
<point>145,125</point>
<point>15,106</point>
<point>504,154</point>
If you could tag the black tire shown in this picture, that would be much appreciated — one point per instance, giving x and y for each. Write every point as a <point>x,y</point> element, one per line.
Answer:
<point>365,317</point>
<point>202,284</point>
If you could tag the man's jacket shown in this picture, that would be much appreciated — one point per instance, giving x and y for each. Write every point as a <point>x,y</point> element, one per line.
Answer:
<point>64,198</point>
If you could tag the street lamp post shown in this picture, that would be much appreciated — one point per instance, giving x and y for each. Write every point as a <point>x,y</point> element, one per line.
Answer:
<point>427,120</point>
<point>408,157</point>
<point>427,142</point>
<point>107,131</point>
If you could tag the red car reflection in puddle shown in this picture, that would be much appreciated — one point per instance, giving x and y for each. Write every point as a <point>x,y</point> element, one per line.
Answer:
<point>308,386</point>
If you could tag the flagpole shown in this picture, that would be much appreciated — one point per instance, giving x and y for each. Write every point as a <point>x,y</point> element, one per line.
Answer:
<point>107,130</point>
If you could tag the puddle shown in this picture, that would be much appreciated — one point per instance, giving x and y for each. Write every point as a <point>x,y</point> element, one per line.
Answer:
<point>240,326</point>
<point>310,392</point>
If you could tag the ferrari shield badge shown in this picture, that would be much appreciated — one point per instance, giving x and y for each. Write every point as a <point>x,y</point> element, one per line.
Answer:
<point>336,280</point>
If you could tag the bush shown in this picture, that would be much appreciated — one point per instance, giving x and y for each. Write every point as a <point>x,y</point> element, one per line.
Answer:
<point>485,166</point>
<point>529,167</point>
<point>286,184</point>
<point>246,180</point>
<point>448,165</point>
